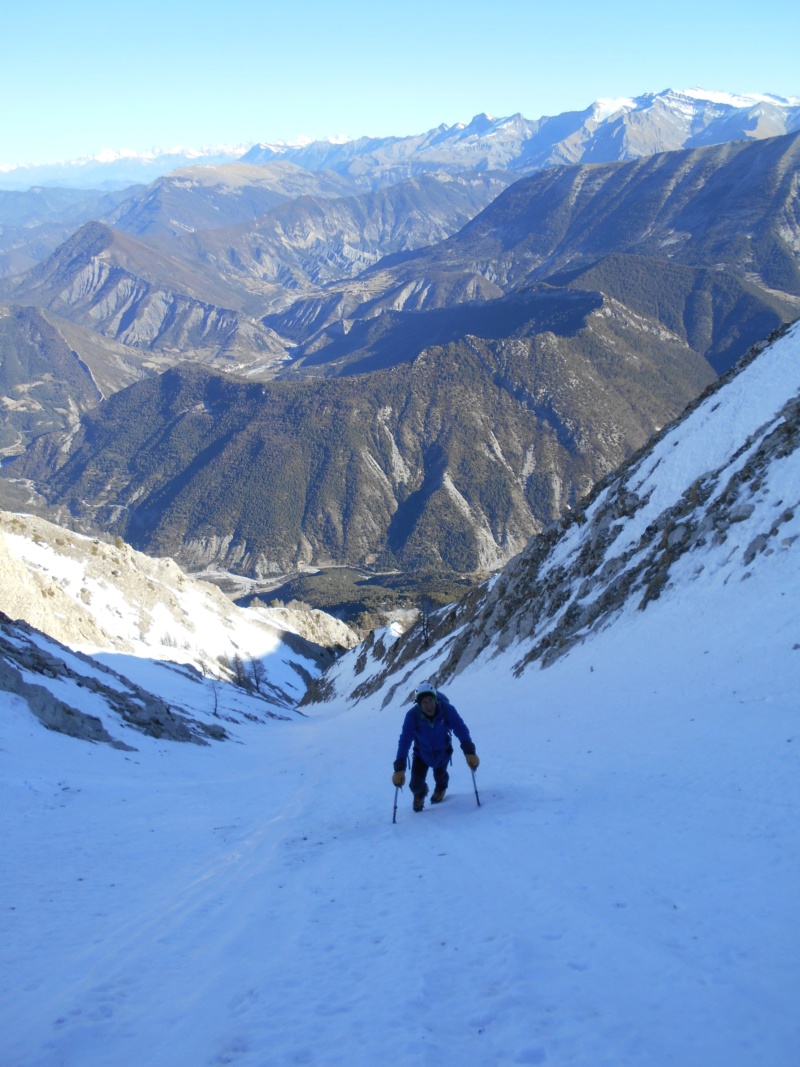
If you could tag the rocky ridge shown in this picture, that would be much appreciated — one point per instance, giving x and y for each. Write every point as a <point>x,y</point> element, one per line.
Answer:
<point>102,632</point>
<point>449,461</point>
<point>26,654</point>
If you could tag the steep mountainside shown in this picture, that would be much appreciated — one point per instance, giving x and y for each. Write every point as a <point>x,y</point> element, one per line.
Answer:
<point>708,501</point>
<point>732,205</point>
<point>730,213</point>
<point>451,460</point>
<point>125,291</point>
<point>51,371</point>
<point>309,242</point>
<point>717,312</point>
<point>44,384</point>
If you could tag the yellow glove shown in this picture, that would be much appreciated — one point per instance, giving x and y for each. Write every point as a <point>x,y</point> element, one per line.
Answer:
<point>473,761</point>
<point>399,778</point>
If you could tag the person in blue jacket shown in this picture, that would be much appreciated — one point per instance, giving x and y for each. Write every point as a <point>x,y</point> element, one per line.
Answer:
<point>427,726</point>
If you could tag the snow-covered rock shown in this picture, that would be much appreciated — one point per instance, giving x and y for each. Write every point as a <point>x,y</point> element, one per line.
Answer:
<point>140,615</point>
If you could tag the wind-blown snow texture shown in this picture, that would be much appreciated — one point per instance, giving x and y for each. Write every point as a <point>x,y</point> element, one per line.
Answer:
<point>626,894</point>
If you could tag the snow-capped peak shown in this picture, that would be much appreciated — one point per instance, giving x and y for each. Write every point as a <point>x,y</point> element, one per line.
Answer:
<point>738,100</point>
<point>604,108</point>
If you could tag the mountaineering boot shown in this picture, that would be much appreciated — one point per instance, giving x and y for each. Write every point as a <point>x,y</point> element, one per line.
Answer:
<point>419,803</point>
<point>438,794</point>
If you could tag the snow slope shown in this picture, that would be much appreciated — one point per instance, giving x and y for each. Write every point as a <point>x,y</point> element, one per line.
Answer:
<point>99,596</point>
<point>145,624</point>
<point>625,895</point>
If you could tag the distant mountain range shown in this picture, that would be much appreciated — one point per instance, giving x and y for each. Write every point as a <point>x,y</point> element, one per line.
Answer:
<point>426,371</point>
<point>112,170</point>
<point>606,130</point>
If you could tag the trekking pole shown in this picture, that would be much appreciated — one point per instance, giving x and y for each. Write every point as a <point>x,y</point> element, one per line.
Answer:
<point>475,786</point>
<point>394,813</point>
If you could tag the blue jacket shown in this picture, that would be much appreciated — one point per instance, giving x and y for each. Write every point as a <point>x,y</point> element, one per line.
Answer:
<point>431,737</point>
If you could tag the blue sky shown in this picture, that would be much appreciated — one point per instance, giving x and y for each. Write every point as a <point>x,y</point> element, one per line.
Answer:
<point>80,78</point>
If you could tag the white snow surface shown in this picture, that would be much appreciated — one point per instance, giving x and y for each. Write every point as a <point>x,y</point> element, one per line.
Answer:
<point>739,100</point>
<point>719,428</point>
<point>130,610</point>
<point>605,108</point>
<point>625,895</point>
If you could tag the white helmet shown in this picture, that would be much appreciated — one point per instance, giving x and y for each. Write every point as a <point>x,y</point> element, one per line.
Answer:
<point>425,689</point>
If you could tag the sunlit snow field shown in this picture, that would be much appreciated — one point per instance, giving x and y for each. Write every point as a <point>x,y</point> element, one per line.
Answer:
<point>626,894</point>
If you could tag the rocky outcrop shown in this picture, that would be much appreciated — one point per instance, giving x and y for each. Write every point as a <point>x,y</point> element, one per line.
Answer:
<point>107,639</point>
<point>94,594</point>
<point>23,658</point>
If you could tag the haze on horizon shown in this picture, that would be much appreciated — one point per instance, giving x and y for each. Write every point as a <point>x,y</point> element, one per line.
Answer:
<point>84,80</point>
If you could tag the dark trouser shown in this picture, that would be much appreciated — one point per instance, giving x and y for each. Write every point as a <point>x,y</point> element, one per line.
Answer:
<point>419,772</point>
